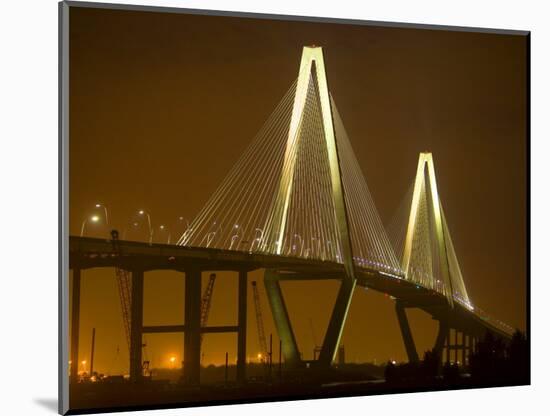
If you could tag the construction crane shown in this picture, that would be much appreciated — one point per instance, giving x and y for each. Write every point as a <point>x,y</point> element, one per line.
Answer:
<point>259,322</point>
<point>206,301</point>
<point>124,283</point>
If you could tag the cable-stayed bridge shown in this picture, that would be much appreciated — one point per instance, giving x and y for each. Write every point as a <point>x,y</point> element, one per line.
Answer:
<point>297,205</point>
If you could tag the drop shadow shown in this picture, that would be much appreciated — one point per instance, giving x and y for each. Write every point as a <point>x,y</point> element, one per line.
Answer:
<point>49,403</point>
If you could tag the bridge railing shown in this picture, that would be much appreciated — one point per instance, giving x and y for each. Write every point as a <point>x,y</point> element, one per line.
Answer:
<point>497,323</point>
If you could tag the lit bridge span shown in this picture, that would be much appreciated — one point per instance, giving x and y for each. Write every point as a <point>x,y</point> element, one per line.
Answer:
<point>297,205</point>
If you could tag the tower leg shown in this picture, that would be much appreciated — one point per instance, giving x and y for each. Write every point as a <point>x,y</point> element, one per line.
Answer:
<point>408,340</point>
<point>281,318</point>
<point>336,323</point>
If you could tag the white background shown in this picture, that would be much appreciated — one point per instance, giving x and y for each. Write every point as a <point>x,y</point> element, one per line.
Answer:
<point>28,204</point>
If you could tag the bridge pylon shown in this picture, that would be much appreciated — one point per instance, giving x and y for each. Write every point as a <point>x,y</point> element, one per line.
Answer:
<point>312,70</point>
<point>429,258</point>
<point>312,74</point>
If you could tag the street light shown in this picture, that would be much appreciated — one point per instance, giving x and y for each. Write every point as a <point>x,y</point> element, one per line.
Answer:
<point>209,238</point>
<point>105,211</point>
<point>183,240</point>
<point>233,240</point>
<point>301,243</point>
<point>142,212</point>
<point>163,228</point>
<point>257,239</point>
<point>183,219</point>
<point>93,218</point>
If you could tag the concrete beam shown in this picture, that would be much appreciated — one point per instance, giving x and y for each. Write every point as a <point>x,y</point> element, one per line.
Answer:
<point>448,360</point>
<point>242,315</point>
<point>168,329</point>
<point>163,329</point>
<point>441,336</point>
<point>463,345</point>
<point>337,275</point>
<point>136,326</point>
<point>470,347</point>
<point>192,335</point>
<point>222,329</point>
<point>457,346</point>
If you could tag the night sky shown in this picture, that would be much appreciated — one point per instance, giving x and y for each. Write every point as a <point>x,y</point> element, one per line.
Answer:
<point>163,105</point>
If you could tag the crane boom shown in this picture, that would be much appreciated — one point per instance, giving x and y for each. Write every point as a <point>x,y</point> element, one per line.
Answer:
<point>206,300</point>
<point>124,283</point>
<point>259,320</point>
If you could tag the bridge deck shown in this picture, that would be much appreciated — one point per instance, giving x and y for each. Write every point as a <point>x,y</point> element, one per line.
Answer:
<point>85,253</point>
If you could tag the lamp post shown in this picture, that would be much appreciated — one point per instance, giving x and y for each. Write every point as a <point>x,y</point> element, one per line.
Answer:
<point>313,247</point>
<point>210,237</point>
<point>235,236</point>
<point>135,224</point>
<point>105,211</point>
<point>185,236</point>
<point>163,228</point>
<point>257,239</point>
<point>183,219</point>
<point>233,240</point>
<point>301,243</point>
<point>142,212</point>
<point>93,218</point>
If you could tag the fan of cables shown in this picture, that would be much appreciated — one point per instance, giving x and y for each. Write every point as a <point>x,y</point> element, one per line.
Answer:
<point>245,212</point>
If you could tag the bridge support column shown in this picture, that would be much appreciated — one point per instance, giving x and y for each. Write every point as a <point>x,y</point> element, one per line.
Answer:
<point>440,341</point>
<point>336,323</point>
<point>241,344</point>
<point>456,346</point>
<point>448,352</point>
<point>192,334</point>
<point>281,318</point>
<point>75,325</point>
<point>463,349</point>
<point>470,347</point>
<point>136,326</point>
<point>408,340</point>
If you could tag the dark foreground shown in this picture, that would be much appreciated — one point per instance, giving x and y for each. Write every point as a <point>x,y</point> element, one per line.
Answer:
<point>93,397</point>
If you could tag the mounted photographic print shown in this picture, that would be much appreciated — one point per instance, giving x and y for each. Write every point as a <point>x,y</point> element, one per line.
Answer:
<point>264,208</point>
